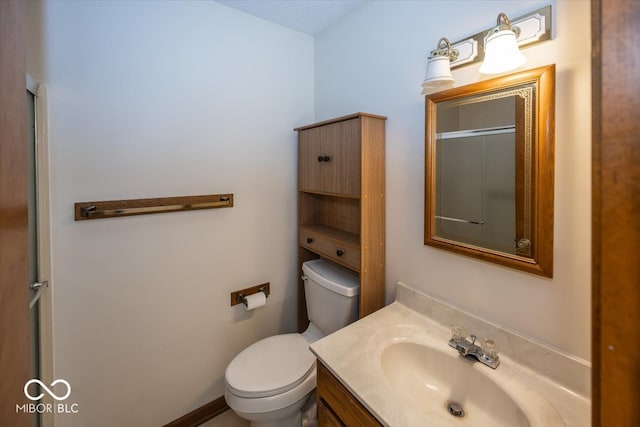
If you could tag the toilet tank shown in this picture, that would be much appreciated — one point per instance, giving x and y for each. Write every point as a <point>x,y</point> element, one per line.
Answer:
<point>331,293</point>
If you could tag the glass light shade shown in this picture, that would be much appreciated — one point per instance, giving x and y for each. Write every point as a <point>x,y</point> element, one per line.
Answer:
<point>438,74</point>
<point>501,53</point>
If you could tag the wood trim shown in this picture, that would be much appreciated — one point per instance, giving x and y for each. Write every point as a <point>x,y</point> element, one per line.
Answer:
<point>615,207</point>
<point>15,355</point>
<point>544,173</point>
<point>340,119</point>
<point>202,414</point>
<point>596,146</point>
<point>372,220</point>
<point>111,208</point>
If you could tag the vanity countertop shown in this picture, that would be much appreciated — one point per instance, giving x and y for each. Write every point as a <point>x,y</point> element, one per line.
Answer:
<point>353,355</point>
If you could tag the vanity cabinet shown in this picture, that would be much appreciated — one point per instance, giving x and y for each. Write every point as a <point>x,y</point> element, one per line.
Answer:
<point>341,202</point>
<point>337,406</point>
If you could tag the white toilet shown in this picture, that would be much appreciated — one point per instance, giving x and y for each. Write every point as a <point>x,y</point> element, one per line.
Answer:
<point>270,381</point>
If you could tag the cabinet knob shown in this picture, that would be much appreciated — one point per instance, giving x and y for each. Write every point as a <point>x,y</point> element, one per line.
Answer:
<point>339,252</point>
<point>324,158</point>
<point>309,240</point>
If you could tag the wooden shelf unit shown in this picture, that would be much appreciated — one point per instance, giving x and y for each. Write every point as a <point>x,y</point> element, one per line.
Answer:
<point>341,202</point>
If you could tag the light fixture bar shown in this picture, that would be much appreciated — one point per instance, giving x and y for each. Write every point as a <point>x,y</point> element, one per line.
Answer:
<point>535,27</point>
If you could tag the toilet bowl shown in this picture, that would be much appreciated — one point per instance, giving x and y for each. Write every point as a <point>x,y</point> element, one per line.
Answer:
<point>269,382</point>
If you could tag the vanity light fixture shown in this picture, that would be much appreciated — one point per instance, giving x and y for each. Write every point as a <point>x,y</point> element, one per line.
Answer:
<point>484,47</point>
<point>501,51</point>
<point>439,67</point>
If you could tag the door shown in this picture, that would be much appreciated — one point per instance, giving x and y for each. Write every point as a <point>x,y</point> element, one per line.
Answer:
<point>616,212</point>
<point>14,313</point>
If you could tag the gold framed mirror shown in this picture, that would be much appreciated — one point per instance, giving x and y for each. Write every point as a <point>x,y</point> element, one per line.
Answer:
<point>489,170</point>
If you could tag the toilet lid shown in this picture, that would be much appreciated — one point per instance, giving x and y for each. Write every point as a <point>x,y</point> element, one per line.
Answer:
<point>271,366</point>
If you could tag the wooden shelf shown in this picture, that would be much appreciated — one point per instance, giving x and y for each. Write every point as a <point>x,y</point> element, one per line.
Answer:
<point>339,213</point>
<point>341,203</point>
<point>325,194</point>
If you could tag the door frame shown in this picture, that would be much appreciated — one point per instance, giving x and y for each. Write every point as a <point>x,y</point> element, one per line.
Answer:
<point>45,326</point>
<point>615,212</point>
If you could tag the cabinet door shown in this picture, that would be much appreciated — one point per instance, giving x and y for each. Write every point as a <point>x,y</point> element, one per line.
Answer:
<point>326,417</point>
<point>341,402</point>
<point>329,158</point>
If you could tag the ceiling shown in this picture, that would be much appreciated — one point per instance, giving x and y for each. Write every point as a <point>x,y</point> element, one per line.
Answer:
<point>307,16</point>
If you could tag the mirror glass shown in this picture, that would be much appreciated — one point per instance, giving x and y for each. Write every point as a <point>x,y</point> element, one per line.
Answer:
<point>489,170</point>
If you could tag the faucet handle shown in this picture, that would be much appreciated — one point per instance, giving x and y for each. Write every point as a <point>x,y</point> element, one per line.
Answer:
<point>489,348</point>
<point>458,333</point>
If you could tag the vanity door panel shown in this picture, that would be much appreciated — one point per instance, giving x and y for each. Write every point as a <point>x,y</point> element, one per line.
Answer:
<point>326,417</point>
<point>341,402</point>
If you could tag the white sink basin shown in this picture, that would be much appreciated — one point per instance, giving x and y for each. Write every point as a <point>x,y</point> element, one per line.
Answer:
<point>429,379</point>
<point>398,363</point>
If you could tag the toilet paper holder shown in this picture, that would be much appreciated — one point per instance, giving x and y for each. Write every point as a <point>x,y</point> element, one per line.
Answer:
<point>240,297</point>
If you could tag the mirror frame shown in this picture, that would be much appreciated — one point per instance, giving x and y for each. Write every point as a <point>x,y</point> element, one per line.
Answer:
<point>542,170</point>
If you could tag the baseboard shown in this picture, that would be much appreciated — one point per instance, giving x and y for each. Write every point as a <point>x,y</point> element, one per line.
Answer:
<point>201,415</point>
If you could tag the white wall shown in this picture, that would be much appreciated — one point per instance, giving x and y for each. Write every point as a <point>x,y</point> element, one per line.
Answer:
<point>155,99</point>
<point>374,60</point>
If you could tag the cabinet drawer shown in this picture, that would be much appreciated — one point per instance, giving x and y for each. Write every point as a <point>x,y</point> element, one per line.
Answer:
<point>339,250</point>
<point>329,158</point>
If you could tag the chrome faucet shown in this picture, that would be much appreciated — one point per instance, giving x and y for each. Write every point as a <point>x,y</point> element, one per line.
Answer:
<point>486,353</point>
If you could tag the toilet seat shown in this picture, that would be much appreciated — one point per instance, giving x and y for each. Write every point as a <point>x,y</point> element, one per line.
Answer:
<point>270,367</point>
<point>263,405</point>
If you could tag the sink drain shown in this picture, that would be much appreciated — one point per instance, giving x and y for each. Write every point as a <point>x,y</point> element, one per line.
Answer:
<point>455,409</point>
